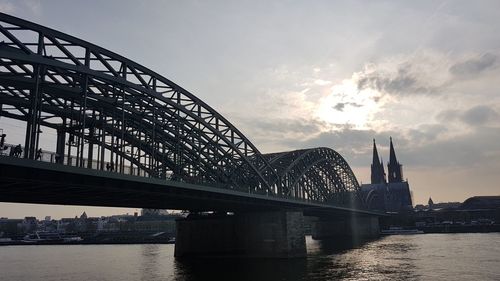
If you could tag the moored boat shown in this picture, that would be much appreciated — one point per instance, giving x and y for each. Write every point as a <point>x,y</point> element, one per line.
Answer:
<point>400,231</point>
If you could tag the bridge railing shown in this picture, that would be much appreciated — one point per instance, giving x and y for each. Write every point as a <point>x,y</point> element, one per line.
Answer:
<point>17,151</point>
<point>10,150</point>
<point>52,157</point>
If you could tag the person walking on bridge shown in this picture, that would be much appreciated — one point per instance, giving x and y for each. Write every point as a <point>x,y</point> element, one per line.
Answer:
<point>18,150</point>
<point>38,154</point>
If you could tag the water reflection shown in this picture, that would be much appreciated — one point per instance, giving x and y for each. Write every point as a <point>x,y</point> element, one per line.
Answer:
<point>240,269</point>
<point>418,257</point>
<point>366,260</point>
<point>150,262</point>
<point>334,245</point>
<point>334,259</point>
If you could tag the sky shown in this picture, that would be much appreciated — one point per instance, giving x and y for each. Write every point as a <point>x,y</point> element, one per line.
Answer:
<point>300,74</point>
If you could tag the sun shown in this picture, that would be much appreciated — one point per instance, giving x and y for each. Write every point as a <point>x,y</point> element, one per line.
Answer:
<point>346,104</point>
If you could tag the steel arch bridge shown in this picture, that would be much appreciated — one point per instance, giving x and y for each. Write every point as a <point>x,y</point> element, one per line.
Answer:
<point>111,113</point>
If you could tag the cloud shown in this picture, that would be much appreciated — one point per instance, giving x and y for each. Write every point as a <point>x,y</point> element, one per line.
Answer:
<point>272,134</point>
<point>6,7</point>
<point>475,116</point>
<point>480,146</point>
<point>422,73</point>
<point>341,105</point>
<point>426,133</point>
<point>35,6</point>
<point>428,145</point>
<point>353,144</point>
<point>474,66</point>
<point>396,83</point>
<point>426,73</point>
<point>321,82</point>
<point>479,115</point>
<point>286,125</point>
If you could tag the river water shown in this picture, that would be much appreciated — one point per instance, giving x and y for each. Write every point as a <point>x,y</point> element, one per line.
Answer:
<point>409,257</point>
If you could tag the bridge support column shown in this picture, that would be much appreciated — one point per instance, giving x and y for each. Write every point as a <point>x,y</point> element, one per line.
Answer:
<point>60,142</point>
<point>277,234</point>
<point>362,227</point>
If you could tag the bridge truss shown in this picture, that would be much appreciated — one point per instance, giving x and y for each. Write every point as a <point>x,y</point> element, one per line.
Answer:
<point>110,113</point>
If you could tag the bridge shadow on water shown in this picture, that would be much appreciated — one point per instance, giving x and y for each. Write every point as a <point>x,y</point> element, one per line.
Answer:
<point>240,269</point>
<point>333,246</point>
<point>313,267</point>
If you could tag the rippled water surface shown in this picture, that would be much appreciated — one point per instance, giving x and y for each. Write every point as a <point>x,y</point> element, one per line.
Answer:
<point>411,257</point>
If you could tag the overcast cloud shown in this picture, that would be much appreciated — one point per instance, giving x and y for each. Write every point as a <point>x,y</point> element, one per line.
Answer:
<point>296,74</point>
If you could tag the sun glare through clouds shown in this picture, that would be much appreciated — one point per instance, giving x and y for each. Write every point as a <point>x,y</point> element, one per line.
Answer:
<point>348,105</point>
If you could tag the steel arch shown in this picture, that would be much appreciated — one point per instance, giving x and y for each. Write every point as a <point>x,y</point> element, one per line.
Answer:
<point>326,169</point>
<point>34,55</point>
<point>109,111</point>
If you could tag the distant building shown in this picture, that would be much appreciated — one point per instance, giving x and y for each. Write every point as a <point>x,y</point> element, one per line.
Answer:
<point>89,227</point>
<point>83,216</point>
<point>10,227</point>
<point>382,195</point>
<point>430,203</point>
<point>29,224</point>
<point>154,212</point>
<point>477,209</point>
<point>437,206</point>
<point>481,203</point>
<point>67,225</point>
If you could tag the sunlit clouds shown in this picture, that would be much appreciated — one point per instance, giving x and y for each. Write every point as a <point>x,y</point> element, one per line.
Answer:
<point>348,105</point>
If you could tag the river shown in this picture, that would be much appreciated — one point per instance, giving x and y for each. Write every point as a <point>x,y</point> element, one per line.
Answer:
<point>408,257</point>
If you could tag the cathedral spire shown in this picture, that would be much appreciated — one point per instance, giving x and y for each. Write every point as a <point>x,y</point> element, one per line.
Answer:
<point>375,159</point>
<point>392,155</point>
<point>394,169</point>
<point>378,174</point>
<point>382,170</point>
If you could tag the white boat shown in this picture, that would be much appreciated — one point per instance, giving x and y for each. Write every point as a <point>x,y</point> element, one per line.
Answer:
<point>50,237</point>
<point>72,239</point>
<point>5,240</point>
<point>42,236</point>
<point>400,231</point>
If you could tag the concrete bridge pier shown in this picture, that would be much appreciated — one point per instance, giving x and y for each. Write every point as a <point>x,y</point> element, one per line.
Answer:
<point>354,227</point>
<point>277,234</point>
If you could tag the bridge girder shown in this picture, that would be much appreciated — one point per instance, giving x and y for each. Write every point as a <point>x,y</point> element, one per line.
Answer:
<point>136,118</point>
<point>324,168</point>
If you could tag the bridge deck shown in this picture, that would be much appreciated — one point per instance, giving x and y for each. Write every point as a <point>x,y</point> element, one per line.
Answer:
<point>29,181</point>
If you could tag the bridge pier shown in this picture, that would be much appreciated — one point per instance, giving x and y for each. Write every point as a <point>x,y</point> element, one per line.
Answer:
<point>354,227</point>
<point>278,234</point>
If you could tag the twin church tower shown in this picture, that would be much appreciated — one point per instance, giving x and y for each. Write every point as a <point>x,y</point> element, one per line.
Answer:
<point>387,194</point>
<point>394,169</point>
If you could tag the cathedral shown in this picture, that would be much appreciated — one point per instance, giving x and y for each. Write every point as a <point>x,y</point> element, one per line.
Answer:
<point>387,192</point>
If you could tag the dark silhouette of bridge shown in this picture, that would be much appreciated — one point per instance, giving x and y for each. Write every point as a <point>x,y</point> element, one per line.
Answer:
<point>127,136</point>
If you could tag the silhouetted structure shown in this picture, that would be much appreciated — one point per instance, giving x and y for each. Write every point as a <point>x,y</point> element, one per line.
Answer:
<point>377,167</point>
<point>393,167</point>
<point>473,215</point>
<point>112,114</point>
<point>392,196</point>
<point>129,137</point>
<point>430,203</point>
<point>481,202</point>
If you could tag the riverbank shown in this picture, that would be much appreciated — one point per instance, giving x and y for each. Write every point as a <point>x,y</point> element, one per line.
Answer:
<point>24,243</point>
<point>457,228</point>
<point>114,238</point>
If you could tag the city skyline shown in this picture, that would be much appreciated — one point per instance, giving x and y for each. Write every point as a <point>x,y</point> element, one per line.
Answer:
<point>321,74</point>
